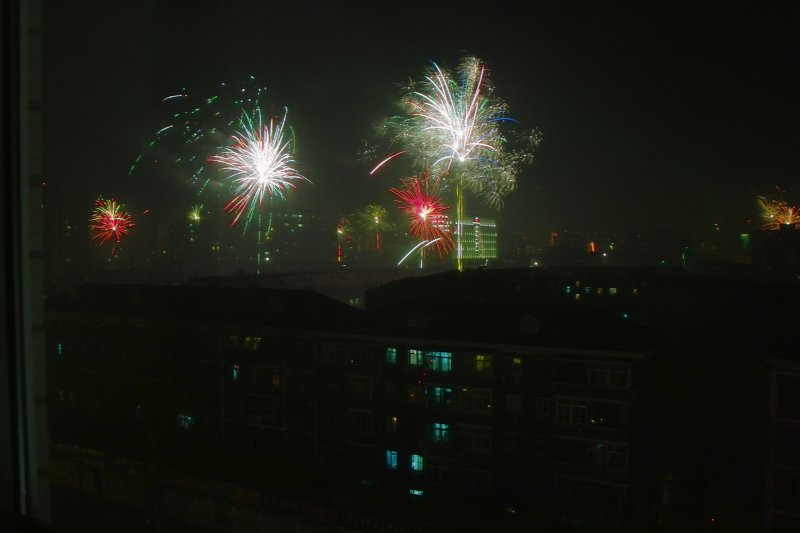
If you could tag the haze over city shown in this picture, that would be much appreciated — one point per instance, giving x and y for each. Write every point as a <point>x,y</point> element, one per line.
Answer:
<point>425,266</point>
<point>661,118</point>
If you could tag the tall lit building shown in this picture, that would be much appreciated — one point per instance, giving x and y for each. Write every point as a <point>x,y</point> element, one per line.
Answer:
<point>478,238</point>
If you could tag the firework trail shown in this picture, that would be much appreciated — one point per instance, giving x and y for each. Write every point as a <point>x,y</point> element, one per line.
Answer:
<point>342,237</point>
<point>196,126</point>
<point>259,162</point>
<point>426,213</point>
<point>109,221</point>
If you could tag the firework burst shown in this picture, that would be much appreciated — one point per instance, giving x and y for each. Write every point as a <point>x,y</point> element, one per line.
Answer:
<point>196,125</point>
<point>777,213</point>
<point>374,218</point>
<point>109,221</point>
<point>452,125</point>
<point>195,214</point>
<point>259,162</point>
<point>426,213</point>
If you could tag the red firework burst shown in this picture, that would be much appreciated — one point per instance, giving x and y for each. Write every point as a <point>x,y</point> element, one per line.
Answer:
<point>425,211</point>
<point>109,220</point>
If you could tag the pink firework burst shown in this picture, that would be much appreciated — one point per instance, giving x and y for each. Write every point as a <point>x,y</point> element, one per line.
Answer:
<point>109,221</point>
<point>425,211</point>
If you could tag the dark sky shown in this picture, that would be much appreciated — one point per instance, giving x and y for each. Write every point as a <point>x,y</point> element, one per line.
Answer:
<point>669,117</point>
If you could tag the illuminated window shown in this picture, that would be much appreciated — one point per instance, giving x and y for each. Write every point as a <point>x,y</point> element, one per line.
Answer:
<point>440,432</point>
<point>599,291</point>
<point>577,296</point>
<point>415,357</point>
<point>587,290</point>
<point>252,343</point>
<point>391,424</point>
<point>439,361</point>
<point>635,291</point>
<point>391,459</point>
<point>568,289</point>
<point>438,396</point>
<point>416,492</point>
<point>236,372</point>
<point>483,364</point>
<point>185,421</point>
<point>612,290</point>
<point>60,349</point>
<point>416,462</point>
<point>276,378</point>
<point>391,355</point>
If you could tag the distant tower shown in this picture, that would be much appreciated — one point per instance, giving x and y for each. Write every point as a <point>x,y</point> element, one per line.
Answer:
<point>479,239</point>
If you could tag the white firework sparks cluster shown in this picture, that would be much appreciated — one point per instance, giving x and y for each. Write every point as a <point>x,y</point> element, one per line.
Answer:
<point>452,125</point>
<point>259,162</point>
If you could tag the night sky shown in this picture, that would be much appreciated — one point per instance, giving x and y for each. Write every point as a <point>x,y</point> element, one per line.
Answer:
<point>672,117</point>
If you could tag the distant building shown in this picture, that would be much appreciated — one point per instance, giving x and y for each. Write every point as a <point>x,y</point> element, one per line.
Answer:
<point>599,398</point>
<point>783,447</point>
<point>478,239</point>
<point>777,252</point>
<point>521,414</point>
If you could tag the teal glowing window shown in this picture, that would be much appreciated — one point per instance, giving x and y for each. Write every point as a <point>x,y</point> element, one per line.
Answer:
<point>391,356</point>
<point>568,289</point>
<point>185,421</point>
<point>415,357</point>
<point>439,361</point>
<point>60,349</point>
<point>440,432</point>
<point>441,396</point>
<point>417,462</point>
<point>391,459</point>
<point>416,492</point>
<point>236,372</point>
